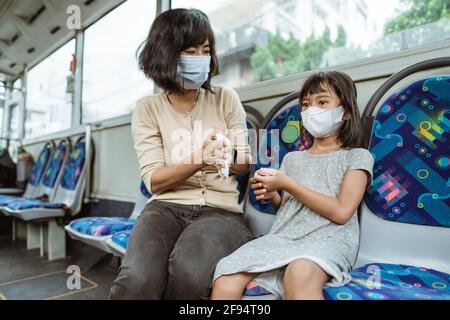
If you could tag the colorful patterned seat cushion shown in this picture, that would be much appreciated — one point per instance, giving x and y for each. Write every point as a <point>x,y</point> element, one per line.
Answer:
<point>381,281</point>
<point>74,166</point>
<point>23,204</point>
<point>38,169</point>
<point>253,290</point>
<point>395,282</point>
<point>51,174</point>
<point>121,238</point>
<point>288,123</point>
<point>101,226</point>
<point>410,144</point>
<point>4,200</point>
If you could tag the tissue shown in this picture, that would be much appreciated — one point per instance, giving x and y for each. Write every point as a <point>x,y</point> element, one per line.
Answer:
<point>225,171</point>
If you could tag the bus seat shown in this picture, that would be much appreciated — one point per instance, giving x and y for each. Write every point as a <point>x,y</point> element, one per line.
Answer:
<point>95,231</point>
<point>283,121</point>
<point>67,201</point>
<point>68,195</point>
<point>405,215</point>
<point>33,188</point>
<point>50,178</point>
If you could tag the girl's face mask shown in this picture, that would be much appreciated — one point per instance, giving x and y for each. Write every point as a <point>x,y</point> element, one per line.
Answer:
<point>321,122</point>
<point>193,70</point>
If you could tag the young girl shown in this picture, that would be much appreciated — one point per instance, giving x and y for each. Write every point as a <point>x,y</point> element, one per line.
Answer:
<point>314,238</point>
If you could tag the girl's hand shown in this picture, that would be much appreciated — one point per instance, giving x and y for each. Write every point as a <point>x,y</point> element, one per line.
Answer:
<point>271,179</point>
<point>260,192</point>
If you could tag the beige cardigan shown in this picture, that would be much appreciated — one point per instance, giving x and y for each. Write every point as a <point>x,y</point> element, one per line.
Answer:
<point>162,136</point>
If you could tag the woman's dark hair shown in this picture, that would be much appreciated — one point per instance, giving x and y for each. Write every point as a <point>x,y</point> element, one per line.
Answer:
<point>172,32</point>
<point>350,132</point>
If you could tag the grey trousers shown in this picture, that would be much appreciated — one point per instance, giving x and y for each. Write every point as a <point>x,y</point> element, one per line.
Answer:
<point>173,251</point>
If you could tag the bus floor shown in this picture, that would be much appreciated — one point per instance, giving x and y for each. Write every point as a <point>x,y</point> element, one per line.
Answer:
<point>87,274</point>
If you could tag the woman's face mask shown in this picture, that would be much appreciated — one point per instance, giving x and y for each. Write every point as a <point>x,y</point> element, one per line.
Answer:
<point>193,70</point>
<point>321,122</point>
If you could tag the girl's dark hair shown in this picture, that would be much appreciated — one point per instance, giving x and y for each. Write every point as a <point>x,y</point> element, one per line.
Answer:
<point>350,132</point>
<point>172,32</point>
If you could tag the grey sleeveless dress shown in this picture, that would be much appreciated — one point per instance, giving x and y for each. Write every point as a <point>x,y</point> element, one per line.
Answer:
<point>299,232</point>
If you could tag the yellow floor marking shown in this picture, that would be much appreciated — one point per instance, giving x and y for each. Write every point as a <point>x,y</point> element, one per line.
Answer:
<point>89,281</point>
<point>69,293</point>
<point>92,283</point>
<point>31,278</point>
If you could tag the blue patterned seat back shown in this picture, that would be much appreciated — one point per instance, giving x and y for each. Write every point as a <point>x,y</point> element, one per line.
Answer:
<point>410,144</point>
<point>288,123</point>
<point>38,169</point>
<point>74,165</point>
<point>243,180</point>
<point>53,170</point>
<point>144,190</point>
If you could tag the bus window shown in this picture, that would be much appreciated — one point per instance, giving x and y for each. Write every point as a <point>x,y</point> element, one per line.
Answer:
<point>111,80</point>
<point>48,105</point>
<point>259,40</point>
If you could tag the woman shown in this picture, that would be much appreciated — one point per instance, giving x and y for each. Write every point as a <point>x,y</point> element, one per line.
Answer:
<point>194,218</point>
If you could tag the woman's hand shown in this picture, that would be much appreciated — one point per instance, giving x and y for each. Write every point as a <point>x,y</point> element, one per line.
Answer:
<point>215,153</point>
<point>222,151</point>
<point>271,179</point>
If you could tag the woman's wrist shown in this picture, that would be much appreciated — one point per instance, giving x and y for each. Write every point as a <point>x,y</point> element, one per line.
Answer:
<point>196,159</point>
